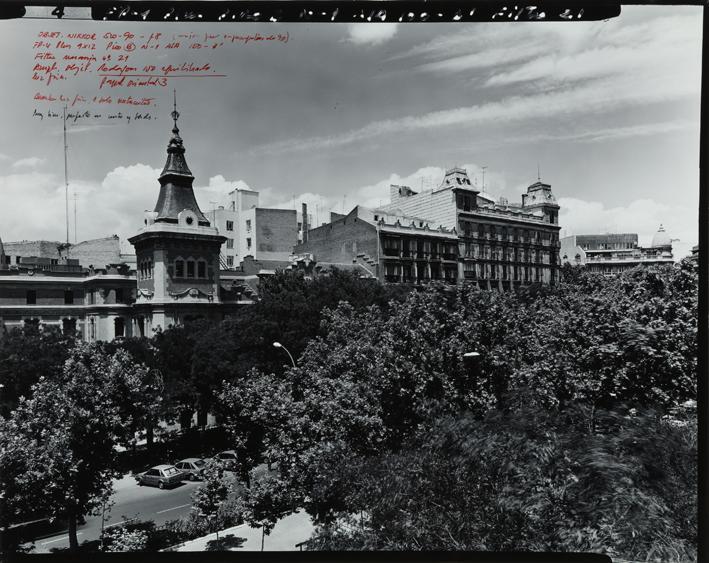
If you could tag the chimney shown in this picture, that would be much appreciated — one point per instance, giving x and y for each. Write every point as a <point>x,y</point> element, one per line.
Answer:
<point>305,223</point>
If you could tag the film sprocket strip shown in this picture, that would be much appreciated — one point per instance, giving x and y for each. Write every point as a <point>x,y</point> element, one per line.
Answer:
<point>353,11</point>
<point>365,11</point>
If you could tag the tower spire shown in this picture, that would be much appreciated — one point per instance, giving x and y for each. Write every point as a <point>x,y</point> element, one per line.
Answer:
<point>176,179</point>
<point>175,114</point>
<point>176,163</point>
<point>539,176</point>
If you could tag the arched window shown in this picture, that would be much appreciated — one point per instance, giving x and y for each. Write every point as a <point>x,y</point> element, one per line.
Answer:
<point>201,269</point>
<point>179,268</point>
<point>190,268</point>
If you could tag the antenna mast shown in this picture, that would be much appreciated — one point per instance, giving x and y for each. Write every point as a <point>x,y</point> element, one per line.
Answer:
<point>539,176</point>
<point>75,229</point>
<point>483,168</point>
<point>66,184</point>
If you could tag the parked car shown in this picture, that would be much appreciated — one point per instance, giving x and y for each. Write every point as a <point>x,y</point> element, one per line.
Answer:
<point>161,476</point>
<point>227,458</point>
<point>192,468</point>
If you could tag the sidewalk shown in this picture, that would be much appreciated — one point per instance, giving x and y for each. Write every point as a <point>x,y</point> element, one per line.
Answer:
<point>289,531</point>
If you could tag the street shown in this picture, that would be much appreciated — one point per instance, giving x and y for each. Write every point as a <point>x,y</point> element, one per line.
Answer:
<point>132,502</point>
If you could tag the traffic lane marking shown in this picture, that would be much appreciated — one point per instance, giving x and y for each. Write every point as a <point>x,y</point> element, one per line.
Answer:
<point>60,539</point>
<point>119,523</point>
<point>173,508</point>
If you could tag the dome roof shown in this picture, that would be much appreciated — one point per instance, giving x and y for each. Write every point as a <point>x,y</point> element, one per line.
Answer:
<point>661,238</point>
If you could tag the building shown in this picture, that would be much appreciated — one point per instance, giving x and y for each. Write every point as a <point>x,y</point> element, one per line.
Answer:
<point>453,233</point>
<point>611,254</point>
<point>175,277</point>
<point>260,232</point>
<point>106,250</point>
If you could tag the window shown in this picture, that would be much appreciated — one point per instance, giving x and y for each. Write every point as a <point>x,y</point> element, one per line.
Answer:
<point>190,268</point>
<point>69,326</point>
<point>179,269</point>
<point>248,225</point>
<point>119,325</point>
<point>119,295</point>
<point>31,297</point>
<point>248,243</point>
<point>230,243</point>
<point>17,259</point>
<point>229,260</point>
<point>68,297</point>
<point>230,225</point>
<point>201,269</point>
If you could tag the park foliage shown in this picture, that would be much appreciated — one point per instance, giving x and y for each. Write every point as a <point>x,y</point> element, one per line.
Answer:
<point>572,429</point>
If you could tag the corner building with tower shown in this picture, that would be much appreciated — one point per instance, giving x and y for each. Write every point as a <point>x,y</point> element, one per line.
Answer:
<point>176,276</point>
<point>455,233</point>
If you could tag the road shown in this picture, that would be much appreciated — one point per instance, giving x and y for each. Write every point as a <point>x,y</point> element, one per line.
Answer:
<point>131,502</point>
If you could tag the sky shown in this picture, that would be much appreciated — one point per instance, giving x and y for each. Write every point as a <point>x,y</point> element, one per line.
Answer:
<point>607,112</point>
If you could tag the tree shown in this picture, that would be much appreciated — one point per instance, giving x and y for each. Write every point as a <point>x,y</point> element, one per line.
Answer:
<point>266,502</point>
<point>208,498</point>
<point>26,354</point>
<point>526,480</point>
<point>73,424</point>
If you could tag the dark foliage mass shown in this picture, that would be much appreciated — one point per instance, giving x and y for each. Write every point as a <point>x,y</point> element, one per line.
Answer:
<point>553,455</point>
<point>571,428</point>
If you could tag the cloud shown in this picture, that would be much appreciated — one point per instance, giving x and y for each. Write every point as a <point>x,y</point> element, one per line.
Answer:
<point>30,162</point>
<point>371,33</point>
<point>642,216</point>
<point>601,97</point>
<point>377,194</point>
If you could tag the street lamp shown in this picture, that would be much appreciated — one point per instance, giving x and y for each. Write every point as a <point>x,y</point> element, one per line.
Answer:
<point>279,345</point>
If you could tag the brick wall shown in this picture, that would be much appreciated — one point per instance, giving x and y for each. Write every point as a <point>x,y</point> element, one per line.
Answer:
<point>26,248</point>
<point>276,233</point>
<point>341,241</point>
<point>97,252</point>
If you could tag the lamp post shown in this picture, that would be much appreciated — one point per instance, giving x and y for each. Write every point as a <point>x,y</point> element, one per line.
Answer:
<point>279,345</point>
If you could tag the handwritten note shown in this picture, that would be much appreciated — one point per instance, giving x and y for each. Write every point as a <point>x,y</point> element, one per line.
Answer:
<point>109,75</point>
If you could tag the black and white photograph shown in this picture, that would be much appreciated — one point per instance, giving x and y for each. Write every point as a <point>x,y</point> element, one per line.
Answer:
<point>391,282</point>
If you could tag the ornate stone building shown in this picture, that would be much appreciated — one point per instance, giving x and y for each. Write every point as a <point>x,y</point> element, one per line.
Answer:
<point>177,252</point>
<point>612,253</point>
<point>454,233</point>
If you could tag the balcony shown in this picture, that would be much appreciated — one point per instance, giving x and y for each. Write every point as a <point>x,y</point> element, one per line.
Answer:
<point>392,278</point>
<point>391,252</point>
<point>469,275</point>
<point>450,256</point>
<point>407,254</point>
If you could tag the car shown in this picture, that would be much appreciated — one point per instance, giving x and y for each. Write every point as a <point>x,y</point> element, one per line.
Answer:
<point>192,467</point>
<point>161,476</point>
<point>227,458</point>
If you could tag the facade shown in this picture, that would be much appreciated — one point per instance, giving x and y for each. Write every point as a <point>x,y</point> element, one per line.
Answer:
<point>452,233</point>
<point>260,232</point>
<point>176,275</point>
<point>612,254</point>
<point>95,252</point>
